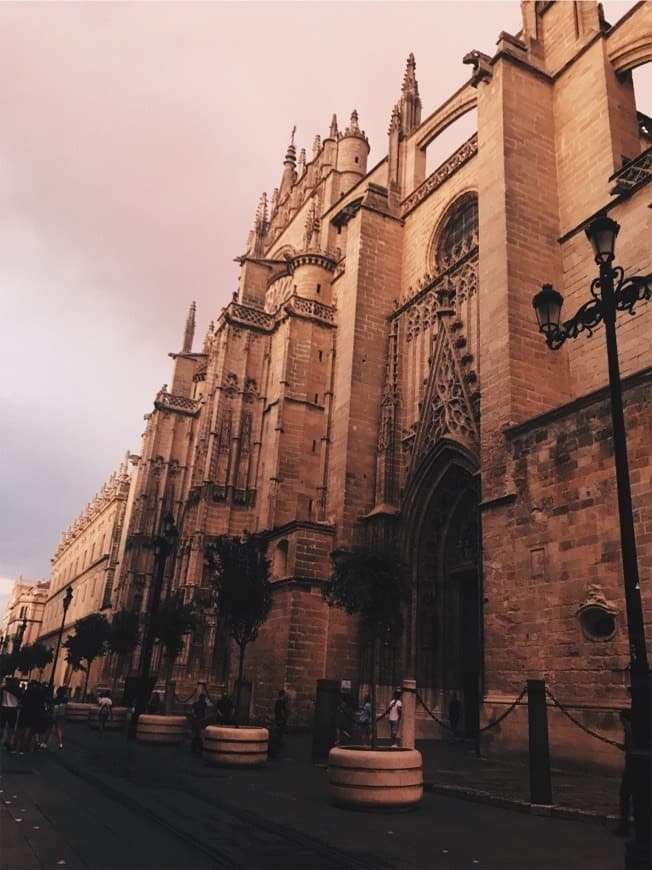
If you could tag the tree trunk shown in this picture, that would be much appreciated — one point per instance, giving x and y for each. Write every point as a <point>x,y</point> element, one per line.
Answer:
<point>88,673</point>
<point>116,674</point>
<point>236,715</point>
<point>168,704</point>
<point>372,692</point>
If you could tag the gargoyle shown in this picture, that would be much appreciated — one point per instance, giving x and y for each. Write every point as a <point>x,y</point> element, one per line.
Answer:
<point>481,66</point>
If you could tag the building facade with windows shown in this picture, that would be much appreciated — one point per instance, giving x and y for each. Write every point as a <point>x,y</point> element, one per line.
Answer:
<point>23,616</point>
<point>379,374</point>
<point>85,561</point>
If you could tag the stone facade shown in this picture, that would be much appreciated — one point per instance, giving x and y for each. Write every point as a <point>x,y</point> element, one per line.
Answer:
<point>379,373</point>
<point>86,561</point>
<point>25,606</point>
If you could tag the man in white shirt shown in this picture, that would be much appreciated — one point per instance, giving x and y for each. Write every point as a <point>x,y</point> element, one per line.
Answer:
<point>394,715</point>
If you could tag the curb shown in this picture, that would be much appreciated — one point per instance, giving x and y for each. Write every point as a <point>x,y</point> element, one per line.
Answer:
<point>571,814</point>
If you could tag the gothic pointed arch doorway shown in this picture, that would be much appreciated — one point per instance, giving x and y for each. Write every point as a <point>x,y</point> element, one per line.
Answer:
<point>442,535</point>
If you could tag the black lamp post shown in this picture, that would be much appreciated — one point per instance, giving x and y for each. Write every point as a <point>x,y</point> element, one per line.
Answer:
<point>20,634</point>
<point>67,598</point>
<point>612,292</point>
<point>164,545</point>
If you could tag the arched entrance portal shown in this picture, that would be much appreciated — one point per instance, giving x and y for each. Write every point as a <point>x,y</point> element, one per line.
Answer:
<point>446,558</point>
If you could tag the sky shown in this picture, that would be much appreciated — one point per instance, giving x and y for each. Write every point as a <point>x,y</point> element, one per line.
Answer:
<point>136,141</point>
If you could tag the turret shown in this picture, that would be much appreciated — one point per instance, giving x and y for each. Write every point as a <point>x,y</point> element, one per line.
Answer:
<point>353,149</point>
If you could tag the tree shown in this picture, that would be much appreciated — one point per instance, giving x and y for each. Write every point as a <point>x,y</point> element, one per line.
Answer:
<point>244,591</point>
<point>87,643</point>
<point>7,663</point>
<point>171,623</point>
<point>36,655</point>
<point>123,638</point>
<point>372,582</point>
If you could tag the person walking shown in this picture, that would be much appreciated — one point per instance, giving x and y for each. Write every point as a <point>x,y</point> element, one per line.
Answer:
<point>105,711</point>
<point>60,700</point>
<point>197,721</point>
<point>364,721</point>
<point>394,715</point>
<point>281,711</point>
<point>9,712</point>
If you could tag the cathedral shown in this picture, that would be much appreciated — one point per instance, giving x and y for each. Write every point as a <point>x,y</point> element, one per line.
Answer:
<point>379,375</point>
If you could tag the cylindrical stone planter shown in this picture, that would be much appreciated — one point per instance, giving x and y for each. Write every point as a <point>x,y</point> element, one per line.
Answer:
<point>115,722</point>
<point>386,778</point>
<point>227,746</point>
<point>168,730</point>
<point>77,712</point>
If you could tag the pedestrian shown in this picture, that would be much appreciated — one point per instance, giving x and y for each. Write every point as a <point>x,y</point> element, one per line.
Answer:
<point>225,708</point>
<point>281,711</point>
<point>625,793</point>
<point>46,718</point>
<point>454,710</point>
<point>60,700</point>
<point>343,721</point>
<point>394,712</point>
<point>364,720</point>
<point>105,711</point>
<point>197,720</point>
<point>9,712</point>
<point>30,717</point>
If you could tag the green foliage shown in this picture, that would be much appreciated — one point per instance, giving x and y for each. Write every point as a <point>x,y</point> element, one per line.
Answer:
<point>171,623</point>
<point>372,582</point>
<point>241,579</point>
<point>88,642</point>
<point>7,663</point>
<point>36,655</point>
<point>123,635</point>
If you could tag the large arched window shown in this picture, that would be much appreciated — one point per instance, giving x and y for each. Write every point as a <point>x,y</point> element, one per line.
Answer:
<point>458,230</point>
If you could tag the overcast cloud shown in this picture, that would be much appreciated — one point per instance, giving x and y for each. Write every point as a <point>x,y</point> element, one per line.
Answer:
<point>136,140</point>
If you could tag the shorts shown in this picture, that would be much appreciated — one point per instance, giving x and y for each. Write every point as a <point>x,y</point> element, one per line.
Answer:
<point>8,717</point>
<point>59,712</point>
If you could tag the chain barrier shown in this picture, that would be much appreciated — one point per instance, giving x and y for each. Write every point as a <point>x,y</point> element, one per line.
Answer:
<point>486,727</point>
<point>184,700</point>
<point>431,714</point>
<point>580,725</point>
<point>504,715</point>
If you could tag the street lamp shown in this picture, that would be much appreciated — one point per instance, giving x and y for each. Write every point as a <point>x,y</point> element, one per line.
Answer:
<point>612,292</point>
<point>164,544</point>
<point>67,598</point>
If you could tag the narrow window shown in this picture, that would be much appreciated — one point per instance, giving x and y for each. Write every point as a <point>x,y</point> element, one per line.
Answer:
<point>321,356</point>
<point>357,159</point>
<point>316,398</point>
<point>318,288</point>
<point>314,446</point>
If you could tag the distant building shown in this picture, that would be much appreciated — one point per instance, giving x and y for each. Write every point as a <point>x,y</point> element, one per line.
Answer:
<point>23,614</point>
<point>379,375</point>
<point>86,561</point>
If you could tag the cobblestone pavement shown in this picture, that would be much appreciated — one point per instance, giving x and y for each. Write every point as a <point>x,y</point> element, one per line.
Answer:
<point>108,802</point>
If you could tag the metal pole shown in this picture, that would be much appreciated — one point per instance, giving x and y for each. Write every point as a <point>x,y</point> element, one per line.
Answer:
<point>56,652</point>
<point>638,852</point>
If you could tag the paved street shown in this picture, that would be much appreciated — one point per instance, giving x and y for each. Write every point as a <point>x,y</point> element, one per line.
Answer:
<point>106,802</point>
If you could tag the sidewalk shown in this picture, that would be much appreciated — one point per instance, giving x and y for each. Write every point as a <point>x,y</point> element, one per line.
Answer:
<point>454,769</point>
<point>279,816</point>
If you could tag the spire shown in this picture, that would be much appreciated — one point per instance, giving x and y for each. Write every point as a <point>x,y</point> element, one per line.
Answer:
<point>289,170</point>
<point>301,167</point>
<point>395,120</point>
<point>354,127</point>
<point>274,202</point>
<point>189,332</point>
<point>333,132</point>
<point>316,146</point>
<point>410,105</point>
<point>207,339</point>
<point>260,226</point>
